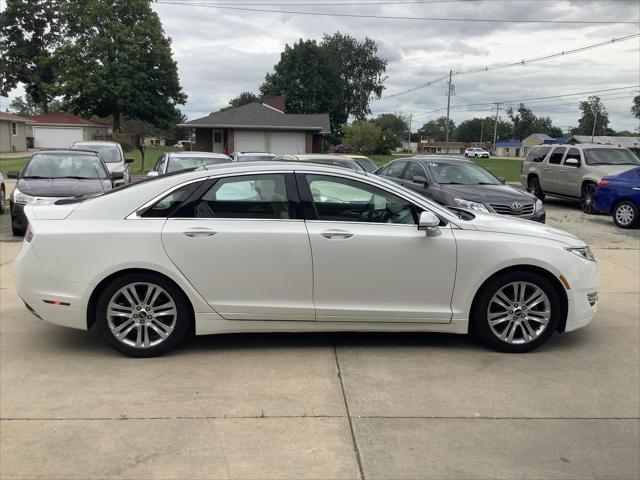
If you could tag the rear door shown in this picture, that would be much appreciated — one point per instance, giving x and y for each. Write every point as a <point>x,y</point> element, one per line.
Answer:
<point>551,170</point>
<point>242,243</point>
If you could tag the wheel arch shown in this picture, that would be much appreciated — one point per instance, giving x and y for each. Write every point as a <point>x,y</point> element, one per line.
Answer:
<point>93,298</point>
<point>555,281</point>
<point>586,181</point>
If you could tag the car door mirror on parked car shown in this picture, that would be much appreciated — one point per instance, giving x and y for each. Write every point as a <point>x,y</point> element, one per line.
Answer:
<point>128,160</point>
<point>572,162</point>
<point>419,179</point>
<point>117,175</point>
<point>152,173</point>
<point>429,223</point>
<point>13,174</point>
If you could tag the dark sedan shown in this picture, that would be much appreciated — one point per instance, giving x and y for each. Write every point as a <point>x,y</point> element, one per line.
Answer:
<point>456,182</point>
<point>52,175</point>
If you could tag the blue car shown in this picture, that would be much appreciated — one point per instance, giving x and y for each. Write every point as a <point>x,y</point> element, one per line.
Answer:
<point>619,196</point>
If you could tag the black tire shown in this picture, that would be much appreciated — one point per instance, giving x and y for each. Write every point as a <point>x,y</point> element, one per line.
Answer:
<point>632,217</point>
<point>533,186</point>
<point>17,231</point>
<point>466,155</point>
<point>3,200</point>
<point>180,327</point>
<point>480,313</point>
<point>586,198</point>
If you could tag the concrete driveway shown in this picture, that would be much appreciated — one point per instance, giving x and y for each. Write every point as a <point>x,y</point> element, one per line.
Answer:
<point>324,406</point>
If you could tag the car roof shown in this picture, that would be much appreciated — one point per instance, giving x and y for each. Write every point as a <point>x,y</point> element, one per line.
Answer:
<point>318,156</point>
<point>197,154</point>
<point>96,142</point>
<point>435,158</point>
<point>355,157</point>
<point>257,152</point>
<point>70,151</point>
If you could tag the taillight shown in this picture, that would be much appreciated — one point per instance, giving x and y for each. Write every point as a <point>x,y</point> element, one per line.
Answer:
<point>28,236</point>
<point>603,182</point>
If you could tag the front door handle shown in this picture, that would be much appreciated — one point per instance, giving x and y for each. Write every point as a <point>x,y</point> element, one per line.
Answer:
<point>337,234</point>
<point>199,232</point>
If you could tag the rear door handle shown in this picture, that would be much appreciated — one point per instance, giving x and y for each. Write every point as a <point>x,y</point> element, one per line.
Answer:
<point>337,234</point>
<point>199,232</point>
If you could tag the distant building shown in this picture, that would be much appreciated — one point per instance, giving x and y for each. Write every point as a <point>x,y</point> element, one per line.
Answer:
<point>430,146</point>
<point>407,146</point>
<point>512,148</point>
<point>626,142</point>
<point>14,131</point>
<point>61,129</point>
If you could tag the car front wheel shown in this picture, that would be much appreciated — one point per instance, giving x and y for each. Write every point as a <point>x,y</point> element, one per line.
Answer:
<point>516,312</point>
<point>142,315</point>
<point>3,200</point>
<point>625,215</point>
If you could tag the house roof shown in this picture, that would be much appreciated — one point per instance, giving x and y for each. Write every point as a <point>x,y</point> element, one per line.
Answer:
<point>257,115</point>
<point>14,118</point>
<point>544,137</point>
<point>509,144</point>
<point>64,118</point>
<point>628,142</point>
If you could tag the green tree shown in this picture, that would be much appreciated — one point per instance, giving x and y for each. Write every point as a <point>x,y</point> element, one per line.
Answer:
<point>590,109</point>
<point>525,122</point>
<point>363,135</point>
<point>635,108</point>
<point>27,107</point>
<point>338,76</point>
<point>31,34</point>
<point>435,129</point>
<point>118,62</point>
<point>387,142</point>
<point>390,122</point>
<point>243,99</point>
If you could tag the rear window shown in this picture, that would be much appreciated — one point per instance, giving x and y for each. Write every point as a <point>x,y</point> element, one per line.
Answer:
<point>395,169</point>
<point>537,154</point>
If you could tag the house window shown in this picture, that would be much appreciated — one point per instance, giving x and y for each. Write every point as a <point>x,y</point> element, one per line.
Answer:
<point>14,128</point>
<point>217,137</point>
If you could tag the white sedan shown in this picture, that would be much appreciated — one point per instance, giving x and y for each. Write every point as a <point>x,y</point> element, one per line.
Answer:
<point>264,247</point>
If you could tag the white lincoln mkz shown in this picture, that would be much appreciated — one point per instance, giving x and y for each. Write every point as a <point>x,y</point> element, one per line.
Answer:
<point>277,246</point>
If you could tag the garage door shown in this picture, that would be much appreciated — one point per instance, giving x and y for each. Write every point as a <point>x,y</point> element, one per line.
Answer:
<point>287,142</point>
<point>56,137</point>
<point>249,141</point>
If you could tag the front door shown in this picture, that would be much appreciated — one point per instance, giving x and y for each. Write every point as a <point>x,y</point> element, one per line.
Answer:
<point>370,262</point>
<point>571,175</point>
<point>240,245</point>
<point>217,141</point>
<point>551,170</point>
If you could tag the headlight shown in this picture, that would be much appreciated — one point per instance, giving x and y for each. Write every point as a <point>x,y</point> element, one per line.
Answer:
<point>538,205</point>
<point>582,252</point>
<point>470,205</point>
<point>19,197</point>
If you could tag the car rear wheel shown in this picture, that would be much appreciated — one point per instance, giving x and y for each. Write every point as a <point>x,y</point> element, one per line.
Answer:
<point>625,215</point>
<point>586,200</point>
<point>516,312</point>
<point>142,315</point>
<point>3,200</point>
<point>533,186</point>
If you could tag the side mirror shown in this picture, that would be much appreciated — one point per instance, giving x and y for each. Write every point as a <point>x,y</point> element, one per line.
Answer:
<point>117,175</point>
<point>419,179</point>
<point>128,160</point>
<point>502,180</point>
<point>13,174</point>
<point>572,162</point>
<point>152,173</point>
<point>429,223</point>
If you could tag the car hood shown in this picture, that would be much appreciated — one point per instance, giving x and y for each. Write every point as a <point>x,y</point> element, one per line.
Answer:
<point>61,187</point>
<point>489,222</point>
<point>488,193</point>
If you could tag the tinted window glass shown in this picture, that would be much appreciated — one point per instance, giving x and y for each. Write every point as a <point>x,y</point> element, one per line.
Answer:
<point>342,200</point>
<point>414,169</point>
<point>109,153</point>
<point>186,162</point>
<point>537,154</point>
<point>170,202</point>
<point>610,156</point>
<point>556,156</point>
<point>395,169</point>
<point>573,153</point>
<point>461,174</point>
<point>247,196</point>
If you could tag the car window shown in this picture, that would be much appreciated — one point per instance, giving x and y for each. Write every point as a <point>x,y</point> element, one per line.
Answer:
<point>344,200</point>
<point>185,162</point>
<point>247,196</point>
<point>109,153</point>
<point>254,158</point>
<point>610,156</point>
<point>414,169</point>
<point>537,154</point>
<point>61,165</point>
<point>556,156</point>
<point>573,153</point>
<point>167,204</point>
<point>395,169</point>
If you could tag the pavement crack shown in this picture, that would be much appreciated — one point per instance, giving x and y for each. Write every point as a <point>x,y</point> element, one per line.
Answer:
<point>346,407</point>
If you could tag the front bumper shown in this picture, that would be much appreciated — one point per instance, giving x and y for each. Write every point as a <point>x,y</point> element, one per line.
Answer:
<point>584,281</point>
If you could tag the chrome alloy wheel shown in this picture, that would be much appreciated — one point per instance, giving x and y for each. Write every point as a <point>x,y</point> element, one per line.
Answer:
<point>625,214</point>
<point>519,312</point>
<point>141,315</point>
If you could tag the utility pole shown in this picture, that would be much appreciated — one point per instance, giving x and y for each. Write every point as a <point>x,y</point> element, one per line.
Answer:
<point>410,119</point>
<point>595,122</point>
<point>481,131</point>
<point>495,128</point>
<point>446,127</point>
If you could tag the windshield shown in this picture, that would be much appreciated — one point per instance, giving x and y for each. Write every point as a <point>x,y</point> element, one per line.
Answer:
<point>610,156</point>
<point>65,165</point>
<point>412,193</point>
<point>461,174</point>
<point>367,164</point>
<point>255,158</point>
<point>183,163</point>
<point>109,153</point>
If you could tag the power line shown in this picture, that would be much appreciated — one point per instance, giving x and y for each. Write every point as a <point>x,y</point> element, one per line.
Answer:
<point>388,17</point>
<point>521,62</point>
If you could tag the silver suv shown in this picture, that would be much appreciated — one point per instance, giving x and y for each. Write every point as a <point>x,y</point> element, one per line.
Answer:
<point>573,171</point>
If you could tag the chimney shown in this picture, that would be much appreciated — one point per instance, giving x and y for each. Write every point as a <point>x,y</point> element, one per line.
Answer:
<point>274,101</point>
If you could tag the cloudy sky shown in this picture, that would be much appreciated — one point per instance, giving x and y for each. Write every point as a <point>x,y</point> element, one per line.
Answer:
<point>221,53</point>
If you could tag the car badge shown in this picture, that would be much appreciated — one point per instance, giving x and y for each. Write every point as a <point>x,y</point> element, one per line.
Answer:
<point>516,206</point>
